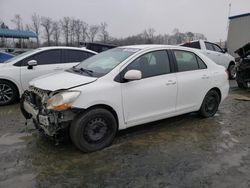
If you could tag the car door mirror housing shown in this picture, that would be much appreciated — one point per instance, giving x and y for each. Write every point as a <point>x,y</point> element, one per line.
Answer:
<point>225,50</point>
<point>133,75</point>
<point>31,64</point>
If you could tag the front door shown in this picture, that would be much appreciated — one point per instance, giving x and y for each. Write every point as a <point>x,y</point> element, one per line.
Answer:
<point>154,96</point>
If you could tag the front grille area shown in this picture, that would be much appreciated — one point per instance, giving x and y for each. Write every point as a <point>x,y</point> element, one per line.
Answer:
<point>36,96</point>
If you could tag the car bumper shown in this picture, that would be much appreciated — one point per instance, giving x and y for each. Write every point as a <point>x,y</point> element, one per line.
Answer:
<point>51,121</point>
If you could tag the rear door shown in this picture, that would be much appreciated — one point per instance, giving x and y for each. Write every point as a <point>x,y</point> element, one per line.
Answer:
<point>47,62</point>
<point>194,80</point>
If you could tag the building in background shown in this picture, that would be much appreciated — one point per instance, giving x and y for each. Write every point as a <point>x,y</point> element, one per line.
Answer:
<point>238,32</point>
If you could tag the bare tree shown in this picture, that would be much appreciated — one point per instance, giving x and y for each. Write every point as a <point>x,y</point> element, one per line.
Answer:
<point>47,25</point>
<point>77,31</point>
<point>17,20</point>
<point>103,32</point>
<point>84,31</point>
<point>93,30</point>
<point>149,35</point>
<point>189,35</point>
<point>35,26</point>
<point>72,24</point>
<point>56,32</point>
<point>65,22</point>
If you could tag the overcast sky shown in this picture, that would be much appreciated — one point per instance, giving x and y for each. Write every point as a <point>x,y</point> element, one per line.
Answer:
<point>127,17</point>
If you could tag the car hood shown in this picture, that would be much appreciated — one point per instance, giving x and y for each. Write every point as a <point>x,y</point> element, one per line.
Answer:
<point>244,50</point>
<point>61,80</point>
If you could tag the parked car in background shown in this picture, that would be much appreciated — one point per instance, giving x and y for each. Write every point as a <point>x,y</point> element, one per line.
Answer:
<point>216,53</point>
<point>124,87</point>
<point>243,66</point>
<point>4,56</point>
<point>98,47</point>
<point>16,73</point>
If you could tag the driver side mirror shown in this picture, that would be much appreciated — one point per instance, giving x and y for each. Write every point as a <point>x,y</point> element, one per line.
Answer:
<point>31,64</point>
<point>133,75</point>
<point>225,50</point>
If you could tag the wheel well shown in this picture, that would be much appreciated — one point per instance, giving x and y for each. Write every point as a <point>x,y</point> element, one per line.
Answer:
<point>13,85</point>
<point>231,63</point>
<point>110,109</point>
<point>217,90</point>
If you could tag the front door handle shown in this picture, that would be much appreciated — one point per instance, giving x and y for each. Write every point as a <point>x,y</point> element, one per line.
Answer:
<point>58,68</point>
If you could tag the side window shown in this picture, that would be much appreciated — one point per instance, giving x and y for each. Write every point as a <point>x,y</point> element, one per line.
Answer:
<point>193,45</point>
<point>186,61</point>
<point>217,48</point>
<point>44,58</point>
<point>201,64</point>
<point>71,56</point>
<point>151,64</point>
<point>209,46</point>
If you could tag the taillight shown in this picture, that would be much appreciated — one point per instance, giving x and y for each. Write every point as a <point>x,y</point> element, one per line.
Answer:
<point>227,73</point>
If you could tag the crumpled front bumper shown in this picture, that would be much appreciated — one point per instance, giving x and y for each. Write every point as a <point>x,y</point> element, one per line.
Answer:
<point>48,120</point>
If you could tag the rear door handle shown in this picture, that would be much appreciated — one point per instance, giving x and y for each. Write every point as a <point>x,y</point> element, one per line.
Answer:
<point>170,82</point>
<point>205,76</point>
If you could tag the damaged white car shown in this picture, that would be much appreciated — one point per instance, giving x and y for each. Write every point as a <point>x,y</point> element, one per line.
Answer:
<point>124,87</point>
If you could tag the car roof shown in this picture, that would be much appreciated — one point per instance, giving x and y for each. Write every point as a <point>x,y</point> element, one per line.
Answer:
<point>155,46</point>
<point>65,47</point>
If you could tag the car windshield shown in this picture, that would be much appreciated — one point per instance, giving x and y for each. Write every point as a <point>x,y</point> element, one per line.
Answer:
<point>101,64</point>
<point>20,56</point>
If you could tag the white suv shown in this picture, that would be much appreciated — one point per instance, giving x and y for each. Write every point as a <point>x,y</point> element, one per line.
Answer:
<point>124,87</point>
<point>16,73</point>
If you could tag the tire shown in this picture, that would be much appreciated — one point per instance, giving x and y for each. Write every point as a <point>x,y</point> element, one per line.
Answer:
<point>93,130</point>
<point>232,71</point>
<point>210,104</point>
<point>8,93</point>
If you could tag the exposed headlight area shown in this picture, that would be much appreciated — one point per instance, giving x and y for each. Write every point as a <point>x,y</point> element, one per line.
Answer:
<point>63,100</point>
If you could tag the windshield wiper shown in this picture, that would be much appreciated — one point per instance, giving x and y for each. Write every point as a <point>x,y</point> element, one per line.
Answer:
<point>89,72</point>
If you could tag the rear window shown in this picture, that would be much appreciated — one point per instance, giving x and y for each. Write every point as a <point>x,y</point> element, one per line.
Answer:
<point>188,61</point>
<point>192,45</point>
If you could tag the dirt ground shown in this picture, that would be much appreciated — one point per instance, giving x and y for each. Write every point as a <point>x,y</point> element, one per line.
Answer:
<point>185,151</point>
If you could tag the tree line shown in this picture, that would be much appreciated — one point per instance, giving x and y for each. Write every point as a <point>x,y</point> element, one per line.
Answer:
<point>71,31</point>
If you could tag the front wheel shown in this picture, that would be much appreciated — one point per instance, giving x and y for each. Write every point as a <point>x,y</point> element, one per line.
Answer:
<point>93,130</point>
<point>210,104</point>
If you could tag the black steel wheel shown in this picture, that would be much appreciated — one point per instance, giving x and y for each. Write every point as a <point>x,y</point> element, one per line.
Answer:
<point>210,104</point>
<point>93,130</point>
<point>8,93</point>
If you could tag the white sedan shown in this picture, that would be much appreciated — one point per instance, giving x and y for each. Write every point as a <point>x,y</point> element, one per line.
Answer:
<point>16,73</point>
<point>124,87</point>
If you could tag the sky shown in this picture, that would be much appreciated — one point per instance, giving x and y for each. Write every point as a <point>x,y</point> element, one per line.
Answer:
<point>128,17</point>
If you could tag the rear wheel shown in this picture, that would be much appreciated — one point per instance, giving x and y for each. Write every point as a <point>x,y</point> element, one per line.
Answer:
<point>8,93</point>
<point>93,130</point>
<point>210,104</point>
